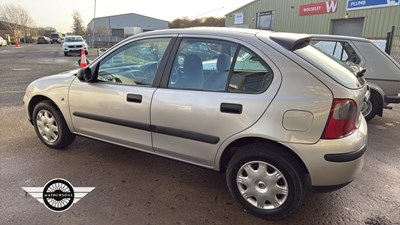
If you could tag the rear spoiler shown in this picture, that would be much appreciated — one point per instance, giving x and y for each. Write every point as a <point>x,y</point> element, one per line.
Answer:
<point>291,42</point>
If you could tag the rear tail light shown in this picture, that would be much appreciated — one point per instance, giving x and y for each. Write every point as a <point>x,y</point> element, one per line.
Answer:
<point>342,119</point>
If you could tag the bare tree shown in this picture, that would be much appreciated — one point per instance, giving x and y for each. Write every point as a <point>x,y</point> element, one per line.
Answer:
<point>206,21</point>
<point>16,19</point>
<point>77,25</point>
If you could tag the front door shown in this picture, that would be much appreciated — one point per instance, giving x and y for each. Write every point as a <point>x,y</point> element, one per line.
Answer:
<point>116,108</point>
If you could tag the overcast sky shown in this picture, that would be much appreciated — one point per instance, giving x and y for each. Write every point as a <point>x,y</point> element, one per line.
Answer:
<point>58,13</point>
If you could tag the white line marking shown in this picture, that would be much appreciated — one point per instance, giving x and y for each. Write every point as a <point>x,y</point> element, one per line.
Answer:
<point>21,69</point>
<point>8,92</point>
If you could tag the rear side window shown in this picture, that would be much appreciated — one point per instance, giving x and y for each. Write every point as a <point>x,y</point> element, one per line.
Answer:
<point>213,65</point>
<point>329,66</point>
<point>250,73</point>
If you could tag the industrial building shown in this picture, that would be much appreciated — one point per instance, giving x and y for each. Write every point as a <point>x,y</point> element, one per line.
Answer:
<point>112,29</point>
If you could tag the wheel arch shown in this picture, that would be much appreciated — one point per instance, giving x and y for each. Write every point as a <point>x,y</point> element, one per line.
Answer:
<point>234,147</point>
<point>39,98</point>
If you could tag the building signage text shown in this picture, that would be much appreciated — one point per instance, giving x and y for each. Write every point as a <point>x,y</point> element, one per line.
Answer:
<point>318,8</point>
<point>366,4</point>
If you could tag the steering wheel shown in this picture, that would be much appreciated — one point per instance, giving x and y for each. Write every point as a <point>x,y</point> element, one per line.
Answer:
<point>176,74</point>
<point>108,77</point>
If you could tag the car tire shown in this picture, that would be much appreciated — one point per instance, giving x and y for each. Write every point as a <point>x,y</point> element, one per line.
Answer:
<point>272,194</point>
<point>65,53</point>
<point>373,107</point>
<point>50,126</point>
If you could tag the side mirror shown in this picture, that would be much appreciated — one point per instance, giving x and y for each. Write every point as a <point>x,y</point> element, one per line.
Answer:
<point>85,74</point>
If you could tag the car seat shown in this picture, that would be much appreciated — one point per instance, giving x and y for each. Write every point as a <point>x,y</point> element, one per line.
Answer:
<point>217,80</point>
<point>192,77</point>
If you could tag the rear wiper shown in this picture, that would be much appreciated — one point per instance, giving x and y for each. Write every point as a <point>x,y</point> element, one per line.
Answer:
<point>360,73</point>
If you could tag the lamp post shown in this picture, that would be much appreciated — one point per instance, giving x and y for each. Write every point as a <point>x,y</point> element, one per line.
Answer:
<point>94,19</point>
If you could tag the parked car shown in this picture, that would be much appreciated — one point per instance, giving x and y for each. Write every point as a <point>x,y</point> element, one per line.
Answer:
<point>200,49</point>
<point>74,44</point>
<point>382,71</point>
<point>43,40</point>
<point>2,42</point>
<point>279,118</point>
<point>56,38</point>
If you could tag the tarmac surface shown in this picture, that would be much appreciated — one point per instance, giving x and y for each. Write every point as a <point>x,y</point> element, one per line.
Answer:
<point>136,188</point>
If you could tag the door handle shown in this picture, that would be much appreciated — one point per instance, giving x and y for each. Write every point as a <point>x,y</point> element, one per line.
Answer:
<point>134,98</point>
<point>231,108</point>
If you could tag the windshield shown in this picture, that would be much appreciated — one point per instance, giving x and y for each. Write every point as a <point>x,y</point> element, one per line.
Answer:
<point>339,72</point>
<point>73,39</point>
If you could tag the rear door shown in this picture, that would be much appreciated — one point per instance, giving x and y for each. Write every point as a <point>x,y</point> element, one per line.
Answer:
<point>200,105</point>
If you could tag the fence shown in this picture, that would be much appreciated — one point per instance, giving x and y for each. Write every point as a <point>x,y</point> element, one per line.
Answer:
<point>102,41</point>
<point>395,50</point>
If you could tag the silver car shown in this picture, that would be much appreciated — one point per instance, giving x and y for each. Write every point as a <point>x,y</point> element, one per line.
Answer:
<point>274,113</point>
<point>382,71</point>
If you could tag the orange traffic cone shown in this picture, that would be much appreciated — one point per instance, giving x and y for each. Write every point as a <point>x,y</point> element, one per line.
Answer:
<point>83,62</point>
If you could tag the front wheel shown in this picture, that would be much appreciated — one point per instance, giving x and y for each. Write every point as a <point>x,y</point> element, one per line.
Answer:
<point>266,180</point>
<point>50,126</point>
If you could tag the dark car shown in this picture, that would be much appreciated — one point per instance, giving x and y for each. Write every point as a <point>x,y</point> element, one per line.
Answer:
<point>43,40</point>
<point>56,38</point>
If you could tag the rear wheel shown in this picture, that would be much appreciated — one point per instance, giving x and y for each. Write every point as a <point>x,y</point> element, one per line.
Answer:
<point>50,126</point>
<point>372,107</point>
<point>266,180</point>
<point>65,53</point>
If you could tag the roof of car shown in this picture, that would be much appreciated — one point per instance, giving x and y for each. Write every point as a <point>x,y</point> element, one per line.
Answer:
<point>338,37</point>
<point>286,40</point>
<point>205,30</point>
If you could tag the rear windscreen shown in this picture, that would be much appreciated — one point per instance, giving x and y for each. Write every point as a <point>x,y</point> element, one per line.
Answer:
<point>329,66</point>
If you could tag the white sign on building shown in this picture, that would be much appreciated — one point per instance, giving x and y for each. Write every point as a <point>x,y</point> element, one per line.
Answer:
<point>239,18</point>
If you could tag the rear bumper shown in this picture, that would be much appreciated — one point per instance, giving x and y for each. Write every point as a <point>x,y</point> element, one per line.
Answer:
<point>345,157</point>
<point>392,99</point>
<point>333,164</point>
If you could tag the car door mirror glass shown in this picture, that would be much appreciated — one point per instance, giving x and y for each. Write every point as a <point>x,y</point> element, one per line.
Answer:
<point>85,74</point>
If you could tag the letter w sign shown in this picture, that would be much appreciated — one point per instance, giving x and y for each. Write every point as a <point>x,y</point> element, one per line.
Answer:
<point>318,8</point>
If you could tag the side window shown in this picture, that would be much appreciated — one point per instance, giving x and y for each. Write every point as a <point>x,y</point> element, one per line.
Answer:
<point>333,48</point>
<point>207,68</point>
<point>340,50</point>
<point>352,55</point>
<point>250,74</point>
<point>134,64</point>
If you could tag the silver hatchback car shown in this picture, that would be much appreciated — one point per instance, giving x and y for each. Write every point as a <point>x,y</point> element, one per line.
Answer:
<point>274,113</point>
